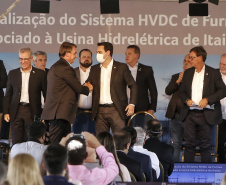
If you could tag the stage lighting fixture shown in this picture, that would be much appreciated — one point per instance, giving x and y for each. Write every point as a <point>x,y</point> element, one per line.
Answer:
<point>39,6</point>
<point>199,8</point>
<point>109,6</point>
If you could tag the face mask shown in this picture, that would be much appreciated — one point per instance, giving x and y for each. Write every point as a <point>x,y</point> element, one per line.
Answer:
<point>100,58</point>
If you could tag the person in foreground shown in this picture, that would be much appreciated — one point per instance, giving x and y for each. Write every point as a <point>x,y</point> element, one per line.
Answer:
<point>55,163</point>
<point>24,170</point>
<point>76,147</point>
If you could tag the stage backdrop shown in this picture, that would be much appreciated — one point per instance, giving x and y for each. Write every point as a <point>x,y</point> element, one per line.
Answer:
<point>163,31</point>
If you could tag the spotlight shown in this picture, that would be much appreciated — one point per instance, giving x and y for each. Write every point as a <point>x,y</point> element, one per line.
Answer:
<point>199,8</point>
<point>109,6</point>
<point>39,6</point>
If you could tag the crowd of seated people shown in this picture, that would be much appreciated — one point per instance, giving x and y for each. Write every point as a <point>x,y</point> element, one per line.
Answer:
<point>81,159</point>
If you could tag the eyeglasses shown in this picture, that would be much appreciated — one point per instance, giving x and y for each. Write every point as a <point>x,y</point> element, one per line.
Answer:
<point>24,59</point>
<point>191,58</point>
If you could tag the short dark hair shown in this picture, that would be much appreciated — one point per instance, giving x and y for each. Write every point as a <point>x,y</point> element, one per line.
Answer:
<point>136,49</point>
<point>133,134</point>
<point>66,47</point>
<point>107,47</point>
<point>122,138</point>
<point>153,128</point>
<point>55,158</point>
<point>76,154</point>
<point>200,51</point>
<point>80,53</point>
<point>36,130</point>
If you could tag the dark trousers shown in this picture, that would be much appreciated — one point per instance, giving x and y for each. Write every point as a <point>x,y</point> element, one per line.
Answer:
<point>108,117</point>
<point>221,141</point>
<point>58,129</point>
<point>19,125</point>
<point>197,128</point>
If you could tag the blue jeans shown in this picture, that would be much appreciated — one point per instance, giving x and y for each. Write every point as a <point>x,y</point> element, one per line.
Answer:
<point>177,135</point>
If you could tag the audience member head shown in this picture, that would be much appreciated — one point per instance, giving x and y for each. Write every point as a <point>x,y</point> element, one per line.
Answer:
<point>24,170</point>
<point>223,64</point>
<point>132,133</point>
<point>55,159</point>
<point>153,128</point>
<point>106,139</point>
<point>3,171</point>
<point>36,130</point>
<point>122,140</point>
<point>40,59</point>
<point>140,136</point>
<point>199,51</point>
<point>76,147</point>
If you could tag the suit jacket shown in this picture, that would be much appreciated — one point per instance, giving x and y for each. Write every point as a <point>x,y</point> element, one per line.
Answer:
<point>77,72</point>
<point>132,165</point>
<point>164,153</point>
<point>145,82</point>
<point>213,89</point>
<point>120,78</point>
<point>63,86</point>
<point>145,162</point>
<point>37,84</point>
<point>3,82</point>
<point>175,103</point>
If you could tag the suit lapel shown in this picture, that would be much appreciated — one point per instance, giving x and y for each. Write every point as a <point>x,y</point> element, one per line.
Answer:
<point>18,78</point>
<point>189,84</point>
<point>113,72</point>
<point>139,72</point>
<point>77,72</point>
<point>31,79</point>
<point>206,81</point>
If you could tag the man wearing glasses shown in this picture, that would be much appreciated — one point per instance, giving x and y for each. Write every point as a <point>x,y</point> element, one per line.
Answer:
<point>22,101</point>
<point>201,90</point>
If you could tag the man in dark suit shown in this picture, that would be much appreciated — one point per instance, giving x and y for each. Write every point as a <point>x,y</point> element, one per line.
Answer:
<point>3,82</point>
<point>144,77</point>
<point>222,126</point>
<point>173,110</point>
<point>40,60</point>
<point>202,87</point>
<point>163,151</point>
<point>122,142</point>
<point>109,102</point>
<point>142,158</point>
<point>63,87</point>
<point>22,102</point>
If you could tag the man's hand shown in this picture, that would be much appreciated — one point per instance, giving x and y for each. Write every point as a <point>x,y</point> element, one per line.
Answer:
<point>91,140</point>
<point>7,117</point>
<point>190,103</point>
<point>130,110</point>
<point>203,103</point>
<point>89,85</point>
<point>179,80</point>
<point>64,139</point>
<point>150,111</point>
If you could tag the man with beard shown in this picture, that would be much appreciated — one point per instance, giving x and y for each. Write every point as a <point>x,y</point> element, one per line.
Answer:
<point>82,73</point>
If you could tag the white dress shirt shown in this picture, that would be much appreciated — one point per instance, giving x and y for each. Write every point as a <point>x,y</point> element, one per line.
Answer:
<point>105,82</point>
<point>197,86</point>
<point>223,101</point>
<point>84,102</point>
<point>153,156</point>
<point>25,85</point>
